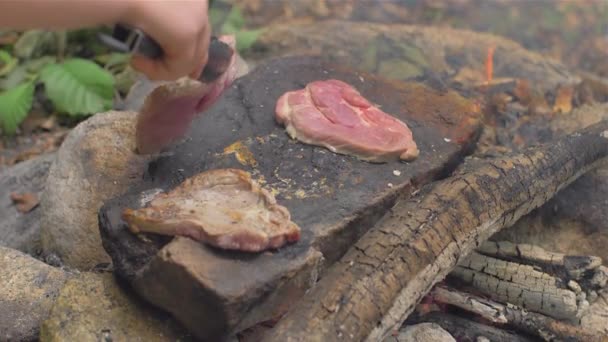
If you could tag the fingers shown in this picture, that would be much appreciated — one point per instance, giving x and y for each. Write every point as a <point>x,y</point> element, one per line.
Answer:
<point>202,54</point>
<point>188,59</point>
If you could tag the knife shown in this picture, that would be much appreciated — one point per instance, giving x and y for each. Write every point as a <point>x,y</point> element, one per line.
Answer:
<point>128,39</point>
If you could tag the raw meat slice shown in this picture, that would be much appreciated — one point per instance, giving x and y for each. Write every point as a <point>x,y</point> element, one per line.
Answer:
<point>169,109</point>
<point>224,208</point>
<point>333,114</point>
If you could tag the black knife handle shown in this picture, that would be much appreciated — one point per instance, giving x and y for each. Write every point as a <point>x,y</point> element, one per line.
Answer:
<point>150,48</point>
<point>132,40</point>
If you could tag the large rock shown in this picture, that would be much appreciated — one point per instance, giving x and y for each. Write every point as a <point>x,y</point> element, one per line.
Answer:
<point>19,230</point>
<point>28,288</point>
<point>333,198</point>
<point>95,162</point>
<point>406,52</point>
<point>93,307</point>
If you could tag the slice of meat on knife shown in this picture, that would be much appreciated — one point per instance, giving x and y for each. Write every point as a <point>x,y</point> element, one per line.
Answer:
<point>333,114</point>
<point>224,208</point>
<point>169,109</point>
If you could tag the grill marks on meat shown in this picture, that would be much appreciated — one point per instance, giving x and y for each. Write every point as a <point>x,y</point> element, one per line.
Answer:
<point>333,114</point>
<point>224,208</point>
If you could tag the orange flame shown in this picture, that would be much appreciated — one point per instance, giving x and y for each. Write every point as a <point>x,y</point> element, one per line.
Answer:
<point>490,64</point>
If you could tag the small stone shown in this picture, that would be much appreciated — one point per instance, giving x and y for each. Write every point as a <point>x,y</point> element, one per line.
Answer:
<point>390,185</point>
<point>447,140</point>
<point>422,332</point>
<point>583,306</point>
<point>93,307</point>
<point>592,296</point>
<point>600,278</point>
<point>581,297</point>
<point>397,172</point>
<point>28,288</point>
<point>574,286</point>
<point>482,339</point>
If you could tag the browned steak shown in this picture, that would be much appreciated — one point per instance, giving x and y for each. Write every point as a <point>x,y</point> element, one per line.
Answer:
<point>224,208</point>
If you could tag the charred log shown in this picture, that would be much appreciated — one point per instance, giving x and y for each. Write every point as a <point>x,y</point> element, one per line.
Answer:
<point>574,266</point>
<point>530,322</point>
<point>554,284</point>
<point>376,285</point>
<point>522,285</point>
<point>465,330</point>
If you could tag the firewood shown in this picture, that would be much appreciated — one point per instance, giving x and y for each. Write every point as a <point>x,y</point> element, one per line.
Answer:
<point>467,330</point>
<point>519,284</point>
<point>574,266</point>
<point>377,283</point>
<point>530,322</point>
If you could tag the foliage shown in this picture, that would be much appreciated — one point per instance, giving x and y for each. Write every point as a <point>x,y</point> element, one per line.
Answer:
<point>76,86</point>
<point>234,23</point>
<point>15,104</point>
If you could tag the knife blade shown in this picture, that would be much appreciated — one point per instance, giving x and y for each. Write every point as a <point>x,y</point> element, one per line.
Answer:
<point>128,39</point>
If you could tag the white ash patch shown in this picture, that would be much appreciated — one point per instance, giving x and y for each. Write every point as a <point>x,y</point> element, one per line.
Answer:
<point>148,195</point>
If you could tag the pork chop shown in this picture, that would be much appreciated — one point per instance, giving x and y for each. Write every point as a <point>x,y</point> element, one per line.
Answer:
<point>224,208</point>
<point>333,114</point>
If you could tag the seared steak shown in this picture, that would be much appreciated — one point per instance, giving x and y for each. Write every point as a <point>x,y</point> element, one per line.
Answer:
<point>224,208</point>
<point>168,110</point>
<point>334,115</point>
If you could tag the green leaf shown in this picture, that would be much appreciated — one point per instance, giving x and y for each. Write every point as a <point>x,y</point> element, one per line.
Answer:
<point>125,79</point>
<point>27,70</point>
<point>35,43</point>
<point>246,38</point>
<point>234,21</point>
<point>114,59</point>
<point>35,65</point>
<point>14,78</point>
<point>216,16</point>
<point>15,104</point>
<point>7,63</point>
<point>78,87</point>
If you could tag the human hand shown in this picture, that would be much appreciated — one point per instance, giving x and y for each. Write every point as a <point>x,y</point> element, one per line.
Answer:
<point>181,28</point>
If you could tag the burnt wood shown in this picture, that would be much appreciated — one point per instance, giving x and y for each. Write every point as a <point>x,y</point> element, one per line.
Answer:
<point>376,285</point>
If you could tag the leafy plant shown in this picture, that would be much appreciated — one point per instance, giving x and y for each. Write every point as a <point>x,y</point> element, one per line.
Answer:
<point>78,86</point>
<point>7,62</point>
<point>15,104</point>
<point>234,24</point>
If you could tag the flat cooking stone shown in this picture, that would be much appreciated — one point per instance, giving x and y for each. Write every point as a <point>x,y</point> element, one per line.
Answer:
<point>333,198</point>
